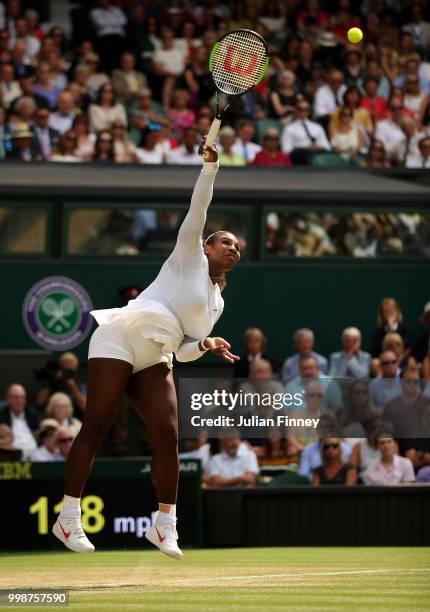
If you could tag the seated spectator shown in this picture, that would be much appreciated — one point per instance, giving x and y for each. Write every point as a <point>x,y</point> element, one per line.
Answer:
<point>394,342</point>
<point>104,152</point>
<point>390,469</point>
<point>301,436</point>
<point>106,110</point>
<point>420,349</point>
<point>418,449</point>
<point>260,382</point>
<point>308,370</point>
<point>302,138</point>
<point>144,112</point>
<point>423,475</point>
<point>60,408</point>
<point>351,362</point>
<point>198,78</point>
<point>10,88</point>
<point>8,452</point>
<point>179,113</point>
<point>21,138</point>
<point>244,145</point>
<point>377,156</point>
<point>89,75</point>
<point>255,343</point>
<point>271,154</point>
<point>414,99</point>
<point>167,142</point>
<point>57,70</point>
<point>353,64</point>
<point>422,160</point>
<point>168,63</point>
<point>22,110</point>
<point>187,153</point>
<point>375,104</point>
<point>360,117</point>
<point>32,44</point>
<point>62,119</point>
<point>386,386</point>
<point>333,469</point>
<point>44,88</point>
<point>235,466</point>
<point>85,139</point>
<point>418,27</point>
<point>21,418</point>
<point>109,22</point>
<point>127,82</point>
<point>66,150</point>
<point>404,411</point>
<point>62,375</point>
<point>390,318</point>
<point>408,147</point>
<point>329,96</point>
<point>275,450</point>
<point>304,342</point>
<point>358,409</point>
<point>47,444</point>
<point>389,130</point>
<point>124,148</point>
<point>45,138</point>
<point>412,68</point>
<point>64,441</point>
<point>283,100</point>
<point>366,450</point>
<point>150,150</point>
<point>227,137</point>
<point>346,139</point>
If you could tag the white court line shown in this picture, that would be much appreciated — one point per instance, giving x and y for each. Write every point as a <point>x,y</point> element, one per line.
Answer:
<point>301,575</point>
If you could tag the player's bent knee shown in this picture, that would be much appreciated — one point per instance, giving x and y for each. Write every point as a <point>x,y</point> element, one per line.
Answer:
<point>166,434</point>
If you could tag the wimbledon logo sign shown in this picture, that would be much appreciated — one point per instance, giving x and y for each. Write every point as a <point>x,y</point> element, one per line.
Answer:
<point>56,313</point>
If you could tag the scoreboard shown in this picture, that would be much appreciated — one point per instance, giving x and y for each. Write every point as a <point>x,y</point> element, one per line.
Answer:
<point>117,505</point>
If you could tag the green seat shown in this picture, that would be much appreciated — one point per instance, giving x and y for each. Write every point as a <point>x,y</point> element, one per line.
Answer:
<point>287,479</point>
<point>328,160</point>
<point>263,124</point>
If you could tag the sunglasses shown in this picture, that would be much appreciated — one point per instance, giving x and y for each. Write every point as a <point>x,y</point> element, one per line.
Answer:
<point>64,440</point>
<point>327,446</point>
<point>390,362</point>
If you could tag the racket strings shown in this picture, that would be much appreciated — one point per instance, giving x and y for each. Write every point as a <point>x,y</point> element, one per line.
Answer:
<point>238,62</point>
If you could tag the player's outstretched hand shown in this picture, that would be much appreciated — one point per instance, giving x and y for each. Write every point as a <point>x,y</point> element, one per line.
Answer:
<point>209,153</point>
<point>220,347</point>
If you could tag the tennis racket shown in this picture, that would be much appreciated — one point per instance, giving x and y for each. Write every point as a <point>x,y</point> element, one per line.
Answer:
<point>237,63</point>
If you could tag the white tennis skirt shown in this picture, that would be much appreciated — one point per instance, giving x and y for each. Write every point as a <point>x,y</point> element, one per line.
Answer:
<point>117,341</point>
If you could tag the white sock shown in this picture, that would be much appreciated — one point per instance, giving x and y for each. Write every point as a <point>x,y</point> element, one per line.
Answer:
<point>71,507</point>
<point>165,518</point>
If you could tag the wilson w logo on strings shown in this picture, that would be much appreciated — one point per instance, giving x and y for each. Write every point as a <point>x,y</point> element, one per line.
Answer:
<point>233,62</point>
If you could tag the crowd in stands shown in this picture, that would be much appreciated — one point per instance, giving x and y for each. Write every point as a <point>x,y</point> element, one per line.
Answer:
<point>129,83</point>
<point>372,406</point>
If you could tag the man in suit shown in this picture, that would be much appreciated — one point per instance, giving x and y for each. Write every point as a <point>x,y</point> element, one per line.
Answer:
<point>21,137</point>
<point>45,138</point>
<point>351,362</point>
<point>22,419</point>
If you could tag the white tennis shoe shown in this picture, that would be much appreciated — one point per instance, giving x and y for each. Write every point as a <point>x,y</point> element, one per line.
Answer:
<point>165,537</point>
<point>70,532</point>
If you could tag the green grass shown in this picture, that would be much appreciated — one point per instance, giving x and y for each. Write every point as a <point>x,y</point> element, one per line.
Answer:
<point>231,580</point>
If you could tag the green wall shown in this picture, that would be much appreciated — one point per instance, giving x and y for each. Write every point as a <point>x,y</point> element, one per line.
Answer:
<point>278,297</point>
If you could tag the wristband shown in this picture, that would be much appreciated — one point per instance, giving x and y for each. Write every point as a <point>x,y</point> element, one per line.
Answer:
<point>202,344</point>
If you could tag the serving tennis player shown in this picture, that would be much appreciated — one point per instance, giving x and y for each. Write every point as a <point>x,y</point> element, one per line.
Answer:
<point>131,351</point>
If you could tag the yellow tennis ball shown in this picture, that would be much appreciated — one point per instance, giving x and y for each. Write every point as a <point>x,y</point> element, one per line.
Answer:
<point>355,35</point>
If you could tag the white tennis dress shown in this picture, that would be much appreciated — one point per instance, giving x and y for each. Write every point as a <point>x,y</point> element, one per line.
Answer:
<point>178,309</point>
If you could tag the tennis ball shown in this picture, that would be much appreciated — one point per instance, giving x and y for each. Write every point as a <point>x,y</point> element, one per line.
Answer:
<point>355,35</point>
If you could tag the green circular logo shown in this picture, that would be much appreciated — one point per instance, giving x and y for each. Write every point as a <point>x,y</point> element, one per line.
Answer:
<point>58,313</point>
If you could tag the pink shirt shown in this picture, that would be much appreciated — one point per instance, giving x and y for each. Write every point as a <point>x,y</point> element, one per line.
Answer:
<point>401,470</point>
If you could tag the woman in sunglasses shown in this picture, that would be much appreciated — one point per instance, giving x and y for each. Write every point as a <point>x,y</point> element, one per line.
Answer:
<point>333,471</point>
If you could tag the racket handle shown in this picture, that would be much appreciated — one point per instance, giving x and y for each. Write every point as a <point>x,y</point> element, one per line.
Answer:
<point>213,132</point>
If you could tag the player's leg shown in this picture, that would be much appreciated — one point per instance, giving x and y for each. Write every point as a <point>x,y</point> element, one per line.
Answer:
<point>107,382</point>
<point>152,392</point>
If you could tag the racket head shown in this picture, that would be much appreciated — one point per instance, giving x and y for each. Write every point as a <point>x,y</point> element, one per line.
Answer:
<point>238,61</point>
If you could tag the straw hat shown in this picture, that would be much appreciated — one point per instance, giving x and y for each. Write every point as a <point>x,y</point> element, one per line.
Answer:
<point>46,425</point>
<point>21,130</point>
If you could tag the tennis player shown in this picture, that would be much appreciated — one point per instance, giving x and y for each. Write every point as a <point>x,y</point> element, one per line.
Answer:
<point>131,351</point>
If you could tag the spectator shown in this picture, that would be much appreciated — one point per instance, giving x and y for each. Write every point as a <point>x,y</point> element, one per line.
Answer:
<point>421,345</point>
<point>260,382</point>
<point>198,78</point>
<point>390,469</point>
<point>366,450</point>
<point>275,449</point>
<point>423,475</point>
<point>7,450</point>
<point>62,119</point>
<point>60,408</point>
<point>412,68</point>
<point>57,70</point>
<point>227,137</point>
<point>45,138</point>
<point>408,147</point>
<point>271,154</point>
<point>353,64</point>
<point>235,465</point>
<point>302,138</point>
<point>89,74</point>
<point>124,148</point>
<point>375,104</point>
<point>255,343</point>
<point>106,110</point>
<point>346,140</point>
<point>180,114</point>
<point>309,371</point>
<point>418,28</point>
<point>387,385</point>
<point>10,89</point>
<point>333,469</point>
<point>168,64</point>
<point>104,152</point>
<point>377,156</point>
<point>422,160</point>
<point>150,150</point>
<point>85,139</point>
<point>187,153</point>
<point>22,111</point>
<point>127,82</point>
<point>61,375</point>
<point>301,436</point>
<point>360,117</point>
<point>19,63</point>
<point>66,151</point>
<point>21,137</point>
<point>304,342</point>
<point>32,44</point>
<point>414,99</point>
<point>418,449</point>
<point>283,100</point>
<point>64,441</point>
<point>329,96</point>
<point>4,133</point>
<point>44,88</point>
<point>358,409</point>
<point>394,342</point>
<point>47,445</point>
<point>244,144</point>
<point>404,411</point>
<point>109,22</point>
<point>390,318</point>
<point>389,130</point>
<point>351,362</point>
<point>21,418</point>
